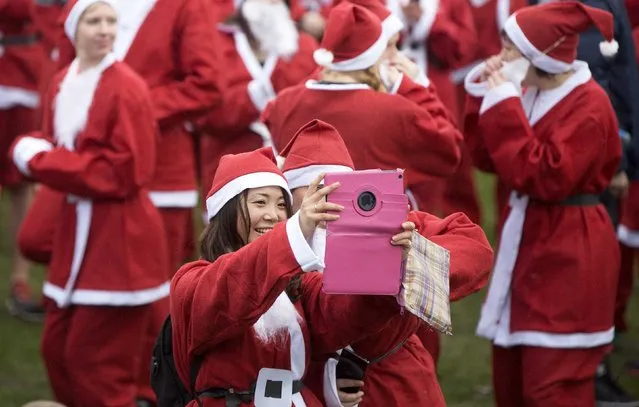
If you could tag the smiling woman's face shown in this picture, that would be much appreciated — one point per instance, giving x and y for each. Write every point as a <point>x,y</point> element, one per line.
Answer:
<point>266,207</point>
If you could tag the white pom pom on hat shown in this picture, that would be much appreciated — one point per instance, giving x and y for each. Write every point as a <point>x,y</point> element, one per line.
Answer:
<point>323,57</point>
<point>609,48</point>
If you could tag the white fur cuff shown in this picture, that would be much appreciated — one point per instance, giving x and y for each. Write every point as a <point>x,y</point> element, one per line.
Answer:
<point>304,254</point>
<point>499,94</point>
<point>26,149</point>
<point>261,92</point>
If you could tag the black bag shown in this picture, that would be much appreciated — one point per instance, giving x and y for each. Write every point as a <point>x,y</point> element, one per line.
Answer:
<point>165,381</point>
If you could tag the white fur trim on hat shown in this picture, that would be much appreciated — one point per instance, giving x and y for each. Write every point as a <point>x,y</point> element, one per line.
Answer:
<point>536,57</point>
<point>302,177</point>
<point>71,23</point>
<point>323,57</point>
<point>392,25</point>
<point>253,180</point>
<point>364,60</point>
<point>609,48</point>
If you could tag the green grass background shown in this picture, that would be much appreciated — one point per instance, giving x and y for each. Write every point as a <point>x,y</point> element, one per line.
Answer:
<point>464,367</point>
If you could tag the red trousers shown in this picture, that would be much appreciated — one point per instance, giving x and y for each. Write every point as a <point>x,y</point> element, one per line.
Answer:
<point>178,226</point>
<point>13,123</point>
<point>431,341</point>
<point>526,376</point>
<point>98,356</point>
<point>624,288</point>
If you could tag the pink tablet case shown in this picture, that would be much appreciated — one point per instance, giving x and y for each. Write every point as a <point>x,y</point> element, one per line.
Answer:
<point>359,257</point>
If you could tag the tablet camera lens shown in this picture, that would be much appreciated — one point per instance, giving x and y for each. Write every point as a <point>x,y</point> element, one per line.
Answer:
<point>366,201</point>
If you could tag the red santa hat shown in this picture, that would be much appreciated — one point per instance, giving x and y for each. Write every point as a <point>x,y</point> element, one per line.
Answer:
<point>77,8</point>
<point>238,172</point>
<point>548,34</point>
<point>353,39</point>
<point>391,24</point>
<point>316,148</point>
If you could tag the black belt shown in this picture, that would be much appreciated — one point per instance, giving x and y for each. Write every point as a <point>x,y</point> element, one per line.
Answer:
<point>235,398</point>
<point>574,200</point>
<point>48,3</point>
<point>16,40</point>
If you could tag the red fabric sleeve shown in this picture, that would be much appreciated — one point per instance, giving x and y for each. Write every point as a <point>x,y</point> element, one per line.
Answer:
<point>236,110</point>
<point>215,302</point>
<point>335,321</point>
<point>471,256</point>
<point>12,10</point>
<point>106,163</point>
<point>453,39</point>
<point>197,91</point>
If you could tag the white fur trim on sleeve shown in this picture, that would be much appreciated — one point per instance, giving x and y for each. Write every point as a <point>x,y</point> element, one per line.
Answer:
<point>304,254</point>
<point>393,90</point>
<point>261,92</point>
<point>422,79</point>
<point>476,89</point>
<point>499,94</point>
<point>26,149</point>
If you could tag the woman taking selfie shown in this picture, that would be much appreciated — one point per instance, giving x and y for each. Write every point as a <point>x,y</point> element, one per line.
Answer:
<point>549,311</point>
<point>97,147</point>
<point>251,303</point>
<point>381,130</point>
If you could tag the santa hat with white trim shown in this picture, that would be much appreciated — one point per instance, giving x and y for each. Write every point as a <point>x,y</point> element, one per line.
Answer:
<point>76,9</point>
<point>238,172</point>
<point>548,34</point>
<point>316,148</point>
<point>391,24</point>
<point>353,39</point>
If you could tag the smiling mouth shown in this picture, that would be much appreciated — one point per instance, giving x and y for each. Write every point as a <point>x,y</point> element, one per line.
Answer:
<point>261,231</point>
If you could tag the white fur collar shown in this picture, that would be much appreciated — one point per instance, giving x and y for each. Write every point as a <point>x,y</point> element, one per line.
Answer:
<point>74,99</point>
<point>277,320</point>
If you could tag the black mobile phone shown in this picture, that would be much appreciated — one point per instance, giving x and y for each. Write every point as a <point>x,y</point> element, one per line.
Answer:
<point>351,366</point>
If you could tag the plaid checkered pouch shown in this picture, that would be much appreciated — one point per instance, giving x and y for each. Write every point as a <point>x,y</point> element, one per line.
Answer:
<point>424,290</point>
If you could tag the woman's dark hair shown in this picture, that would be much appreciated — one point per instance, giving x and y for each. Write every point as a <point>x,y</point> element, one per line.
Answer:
<point>543,74</point>
<point>221,236</point>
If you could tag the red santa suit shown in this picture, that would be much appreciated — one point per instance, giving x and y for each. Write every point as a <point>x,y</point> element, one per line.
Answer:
<point>406,374</point>
<point>98,148</point>
<point>233,343</point>
<point>157,39</point>
<point>550,304</point>
<point>233,127</point>
<point>20,56</point>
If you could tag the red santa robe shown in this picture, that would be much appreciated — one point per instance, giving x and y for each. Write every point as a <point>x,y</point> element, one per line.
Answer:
<point>556,271</point>
<point>407,377</point>
<point>400,133</point>
<point>172,45</point>
<point>103,165</point>
<point>256,276</point>
<point>20,57</point>
<point>234,127</point>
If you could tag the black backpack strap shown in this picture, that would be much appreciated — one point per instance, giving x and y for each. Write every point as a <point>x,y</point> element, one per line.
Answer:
<point>389,353</point>
<point>195,369</point>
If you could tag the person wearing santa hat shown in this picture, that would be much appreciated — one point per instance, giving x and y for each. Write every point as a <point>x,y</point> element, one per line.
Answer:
<point>381,130</point>
<point>549,310</point>
<point>262,53</point>
<point>156,39</point>
<point>404,374</point>
<point>108,267</point>
<point>250,311</point>
<point>20,56</point>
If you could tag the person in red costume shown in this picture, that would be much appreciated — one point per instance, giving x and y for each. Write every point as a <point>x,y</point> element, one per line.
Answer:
<point>251,311</point>
<point>157,41</point>
<point>405,374</point>
<point>108,268</point>
<point>262,53</point>
<point>382,128</point>
<point>550,306</point>
<point>21,55</point>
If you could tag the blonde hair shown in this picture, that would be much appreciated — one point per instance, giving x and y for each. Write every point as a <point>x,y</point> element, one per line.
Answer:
<point>368,76</point>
